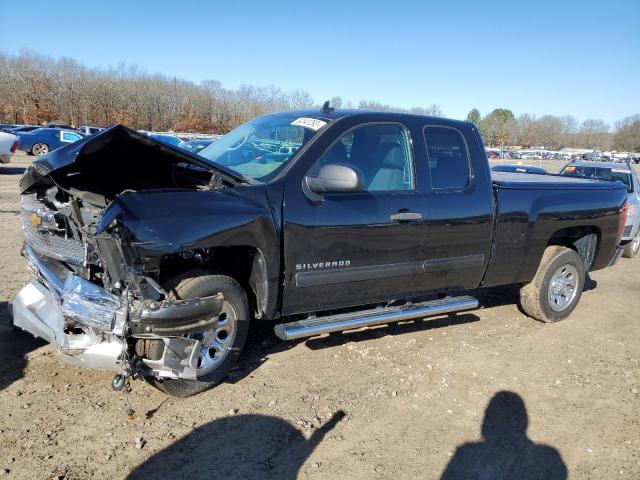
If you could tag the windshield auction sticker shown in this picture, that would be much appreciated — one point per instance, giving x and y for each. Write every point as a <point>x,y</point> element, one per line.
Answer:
<point>311,123</point>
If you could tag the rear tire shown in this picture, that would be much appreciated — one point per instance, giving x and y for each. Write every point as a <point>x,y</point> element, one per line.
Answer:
<point>40,149</point>
<point>556,288</point>
<point>200,283</point>
<point>631,248</point>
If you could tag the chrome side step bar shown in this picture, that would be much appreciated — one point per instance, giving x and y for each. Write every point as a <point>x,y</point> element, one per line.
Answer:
<point>347,321</point>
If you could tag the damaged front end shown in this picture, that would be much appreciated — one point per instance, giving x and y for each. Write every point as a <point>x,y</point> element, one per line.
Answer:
<point>94,297</point>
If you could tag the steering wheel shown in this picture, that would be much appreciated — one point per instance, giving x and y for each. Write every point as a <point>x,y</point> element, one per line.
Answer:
<point>238,144</point>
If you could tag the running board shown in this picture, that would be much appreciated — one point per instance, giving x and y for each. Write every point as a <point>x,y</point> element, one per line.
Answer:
<point>347,321</point>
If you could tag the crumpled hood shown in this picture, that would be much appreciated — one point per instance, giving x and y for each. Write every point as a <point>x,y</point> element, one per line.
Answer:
<point>113,153</point>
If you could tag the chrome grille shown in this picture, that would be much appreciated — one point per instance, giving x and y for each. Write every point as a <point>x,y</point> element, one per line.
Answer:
<point>43,239</point>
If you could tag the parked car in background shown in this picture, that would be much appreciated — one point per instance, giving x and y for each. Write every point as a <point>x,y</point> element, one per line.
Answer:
<point>5,127</point>
<point>43,140</point>
<point>23,129</point>
<point>615,172</point>
<point>194,146</point>
<point>86,130</point>
<point>166,138</point>
<point>519,169</point>
<point>58,124</point>
<point>8,146</point>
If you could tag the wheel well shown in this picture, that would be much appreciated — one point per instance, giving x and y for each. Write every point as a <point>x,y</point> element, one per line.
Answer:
<point>584,240</point>
<point>243,263</point>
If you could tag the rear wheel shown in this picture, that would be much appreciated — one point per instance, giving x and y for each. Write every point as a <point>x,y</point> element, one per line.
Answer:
<point>556,287</point>
<point>221,346</point>
<point>631,248</point>
<point>40,149</point>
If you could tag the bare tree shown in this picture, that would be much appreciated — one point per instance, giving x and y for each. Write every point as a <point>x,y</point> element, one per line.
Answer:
<point>593,133</point>
<point>627,136</point>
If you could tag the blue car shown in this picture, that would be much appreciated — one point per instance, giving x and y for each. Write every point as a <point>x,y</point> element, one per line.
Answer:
<point>169,139</point>
<point>24,129</point>
<point>43,140</point>
<point>194,146</point>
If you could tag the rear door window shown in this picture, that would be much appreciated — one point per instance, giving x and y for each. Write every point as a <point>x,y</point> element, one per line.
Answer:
<point>448,158</point>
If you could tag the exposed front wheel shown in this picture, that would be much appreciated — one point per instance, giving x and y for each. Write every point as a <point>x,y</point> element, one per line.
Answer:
<point>221,346</point>
<point>556,287</point>
<point>40,149</point>
<point>631,248</point>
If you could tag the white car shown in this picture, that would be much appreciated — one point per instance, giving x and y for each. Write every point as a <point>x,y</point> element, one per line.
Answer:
<point>8,146</point>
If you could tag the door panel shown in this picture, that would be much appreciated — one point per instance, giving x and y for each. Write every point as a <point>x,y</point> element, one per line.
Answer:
<point>347,251</point>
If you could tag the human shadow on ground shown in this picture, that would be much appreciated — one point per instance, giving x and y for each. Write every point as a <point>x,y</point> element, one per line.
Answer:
<point>505,451</point>
<point>14,346</point>
<point>241,446</point>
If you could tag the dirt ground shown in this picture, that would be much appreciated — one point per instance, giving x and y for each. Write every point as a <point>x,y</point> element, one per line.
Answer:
<point>427,399</point>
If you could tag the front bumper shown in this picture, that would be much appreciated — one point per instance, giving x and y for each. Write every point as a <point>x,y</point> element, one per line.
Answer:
<point>36,310</point>
<point>89,326</point>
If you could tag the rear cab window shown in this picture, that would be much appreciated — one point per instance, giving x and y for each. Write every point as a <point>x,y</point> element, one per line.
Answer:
<point>448,156</point>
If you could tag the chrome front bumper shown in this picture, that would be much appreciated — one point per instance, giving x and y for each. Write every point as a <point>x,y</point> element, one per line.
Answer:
<point>38,309</point>
<point>88,325</point>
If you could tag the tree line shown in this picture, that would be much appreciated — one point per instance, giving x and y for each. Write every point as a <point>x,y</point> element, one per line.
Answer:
<point>500,127</point>
<point>35,89</point>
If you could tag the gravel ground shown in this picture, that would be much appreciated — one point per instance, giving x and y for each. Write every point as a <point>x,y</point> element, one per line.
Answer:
<point>425,399</point>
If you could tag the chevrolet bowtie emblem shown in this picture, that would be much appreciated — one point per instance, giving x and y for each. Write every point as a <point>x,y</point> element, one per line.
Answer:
<point>36,221</point>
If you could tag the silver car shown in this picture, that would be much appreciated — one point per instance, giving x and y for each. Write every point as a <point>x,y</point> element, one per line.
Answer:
<point>621,172</point>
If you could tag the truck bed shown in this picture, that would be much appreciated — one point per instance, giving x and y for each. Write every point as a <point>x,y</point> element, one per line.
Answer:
<point>548,182</point>
<point>530,209</point>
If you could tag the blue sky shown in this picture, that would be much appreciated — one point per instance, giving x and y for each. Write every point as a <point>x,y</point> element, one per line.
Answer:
<point>573,57</point>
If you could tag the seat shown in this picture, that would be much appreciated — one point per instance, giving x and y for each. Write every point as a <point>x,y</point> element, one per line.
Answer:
<point>390,176</point>
<point>336,154</point>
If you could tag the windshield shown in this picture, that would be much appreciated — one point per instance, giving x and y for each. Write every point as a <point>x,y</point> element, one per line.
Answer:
<point>600,173</point>
<point>259,149</point>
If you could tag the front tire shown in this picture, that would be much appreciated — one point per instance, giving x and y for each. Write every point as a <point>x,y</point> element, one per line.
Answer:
<point>556,288</point>
<point>40,149</point>
<point>221,347</point>
<point>631,248</point>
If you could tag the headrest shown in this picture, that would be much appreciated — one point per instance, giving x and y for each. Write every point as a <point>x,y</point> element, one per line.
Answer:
<point>394,157</point>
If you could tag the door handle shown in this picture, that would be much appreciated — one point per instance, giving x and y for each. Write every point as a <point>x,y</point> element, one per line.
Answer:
<point>406,216</point>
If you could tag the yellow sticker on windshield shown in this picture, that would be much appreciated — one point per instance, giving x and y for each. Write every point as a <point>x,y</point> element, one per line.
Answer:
<point>310,123</point>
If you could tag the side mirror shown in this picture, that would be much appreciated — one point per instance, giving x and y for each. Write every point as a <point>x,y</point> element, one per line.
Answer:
<point>333,178</point>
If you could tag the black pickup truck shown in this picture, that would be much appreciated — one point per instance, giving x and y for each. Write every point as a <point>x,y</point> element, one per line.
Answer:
<point>151,261</point>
